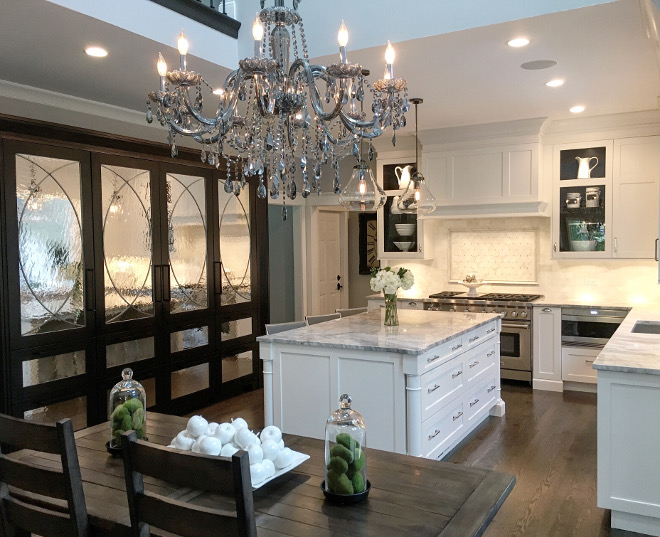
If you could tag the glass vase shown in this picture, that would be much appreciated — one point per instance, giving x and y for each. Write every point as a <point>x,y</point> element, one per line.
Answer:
<point>391,314</point>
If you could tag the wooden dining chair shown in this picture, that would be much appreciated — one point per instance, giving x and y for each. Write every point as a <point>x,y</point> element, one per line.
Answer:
<point>37,494</point>
<point>276,328</point>
<point>316,319</point>
<point>350,311</point>
<point>229,477</point>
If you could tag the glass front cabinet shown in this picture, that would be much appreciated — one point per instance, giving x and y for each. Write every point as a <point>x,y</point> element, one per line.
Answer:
<point>582,213</point>
<point>400,236</point>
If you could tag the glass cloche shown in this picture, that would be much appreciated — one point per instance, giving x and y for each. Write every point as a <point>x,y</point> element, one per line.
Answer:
<point>345,456</point>
<point>128,403</point>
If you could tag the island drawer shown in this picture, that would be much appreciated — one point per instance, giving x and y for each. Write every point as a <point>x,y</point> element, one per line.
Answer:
<point>480,360</point>
<point>577,364</point>
<point>480,334</point>
<point>442,429</point>
<point>482,397</point>
<point>441,385</point>
<point>439,354</point>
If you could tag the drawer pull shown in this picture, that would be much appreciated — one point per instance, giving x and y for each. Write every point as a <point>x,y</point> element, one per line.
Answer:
<point>546,310</point>
<point>382,305</point>
<point>412,304</point>
<point>490,331</point>
<point>458,416</point>
<point>491,389</point>
<point>458,373</point>
<point>435,387</point>
<point>429,360</point>
<point>456,347</point>
<point>490,354</point>
<point>472,403</point>
<point>589,361</point>
<point>436,433</point>
<point>475,338</point>
<point>473,364</point>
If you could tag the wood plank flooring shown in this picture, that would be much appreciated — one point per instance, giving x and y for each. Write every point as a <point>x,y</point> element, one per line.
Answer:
<point>547,439</point>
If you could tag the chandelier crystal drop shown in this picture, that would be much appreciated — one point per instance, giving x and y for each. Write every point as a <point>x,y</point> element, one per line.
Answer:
<point>277,116</point>
<point>417,198</point>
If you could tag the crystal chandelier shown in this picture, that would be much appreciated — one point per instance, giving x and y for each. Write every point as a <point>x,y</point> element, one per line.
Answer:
<point>277,115</point>
<point>417,198</point>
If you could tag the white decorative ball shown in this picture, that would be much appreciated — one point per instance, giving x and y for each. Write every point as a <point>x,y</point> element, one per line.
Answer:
<point>270,449</point>
<point>228,450</point>
<point>197,442</point>
<point>210,445</point>
<point>183,441</point>
<point>269,466</point>
<point>197,426</point>
<point>284,458</point>
<point>239,423</point>
<point>225,432</point>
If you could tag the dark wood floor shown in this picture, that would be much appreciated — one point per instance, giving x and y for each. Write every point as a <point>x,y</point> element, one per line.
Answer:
<point>547,439</point>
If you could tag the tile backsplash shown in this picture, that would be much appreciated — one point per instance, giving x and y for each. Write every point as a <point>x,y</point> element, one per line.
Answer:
<point>620,281</point>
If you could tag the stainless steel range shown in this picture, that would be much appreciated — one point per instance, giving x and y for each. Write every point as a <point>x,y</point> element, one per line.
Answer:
<point>516,334</point>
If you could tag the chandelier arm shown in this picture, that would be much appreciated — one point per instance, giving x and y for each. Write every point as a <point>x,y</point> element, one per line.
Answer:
<point>314,97</point>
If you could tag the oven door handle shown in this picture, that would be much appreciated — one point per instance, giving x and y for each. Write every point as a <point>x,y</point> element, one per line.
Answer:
<point>516,326</point>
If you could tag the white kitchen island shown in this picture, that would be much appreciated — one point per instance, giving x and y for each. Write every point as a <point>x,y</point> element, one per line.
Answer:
<point>629,425</point>
<point>421,386</point>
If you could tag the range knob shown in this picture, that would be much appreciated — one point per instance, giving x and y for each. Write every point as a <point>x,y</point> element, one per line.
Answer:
<point>514,314</point>
<point>523,314</point>
<point>467,310</point>
<point>452,309</point>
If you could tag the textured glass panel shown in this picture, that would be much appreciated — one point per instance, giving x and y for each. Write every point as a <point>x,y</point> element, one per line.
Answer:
<point>49,368</point>
<point>49,244</point>
<point>149,386</point>
<point>127,243</point>
<point>127,352</point>
<point>238,365</point>
<point>190,380</point>
<point>76,409</point>
<point>235,245</point>
<point>238,328</point>
<point>186,215</point>
<point>189,339</point>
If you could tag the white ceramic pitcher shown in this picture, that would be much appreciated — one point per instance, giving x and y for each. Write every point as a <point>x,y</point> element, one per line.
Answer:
<point>403,175</point>
<point>584,170</point>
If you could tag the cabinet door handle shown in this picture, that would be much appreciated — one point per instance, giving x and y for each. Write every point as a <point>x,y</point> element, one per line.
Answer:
<point>473,364</point>
<point>547,310</point>
<point>158,283</point>
<point>491,389</point>
<point>554,246</point>
<point>589,361</point>
<point>456,347</point>
<point>656,250</point>
<point>472,403</point>
<point>412,304</point>
<point>382,305</point>
<point>457,374</point>
<point>475,338</point>
<point>616,249</point>
<point>435,387</point>
<point>490,354</point>
<point>90,298</point>
<point>490,330</point>
<point>458,416</point>
<point>166,282</point>
<point>435,433</point>
<point>429,360</point>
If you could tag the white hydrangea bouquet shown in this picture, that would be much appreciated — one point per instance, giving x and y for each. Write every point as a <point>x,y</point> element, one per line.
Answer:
<point>389,280</point>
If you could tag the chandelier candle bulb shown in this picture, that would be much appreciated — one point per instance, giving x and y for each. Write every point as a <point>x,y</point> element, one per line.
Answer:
<point>342,38</point>
<point>258,35</point>
<point>161,66</point>
<point>389,60</point>
<point>182,45</point>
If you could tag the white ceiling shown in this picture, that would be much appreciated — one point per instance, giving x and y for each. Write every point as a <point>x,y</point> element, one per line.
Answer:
<point>465,77</point>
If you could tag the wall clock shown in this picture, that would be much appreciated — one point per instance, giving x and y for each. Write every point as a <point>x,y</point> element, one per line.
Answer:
<point>368,243</point>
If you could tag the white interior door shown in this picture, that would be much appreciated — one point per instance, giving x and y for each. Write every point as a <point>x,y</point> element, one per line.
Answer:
<point>329,261</point>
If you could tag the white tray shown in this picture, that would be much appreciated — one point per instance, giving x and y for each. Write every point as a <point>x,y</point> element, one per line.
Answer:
<point>298,458</point>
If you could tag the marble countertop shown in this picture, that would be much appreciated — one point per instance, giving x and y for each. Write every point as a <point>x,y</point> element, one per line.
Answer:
<point>418,331</point>
<point>628,352</point>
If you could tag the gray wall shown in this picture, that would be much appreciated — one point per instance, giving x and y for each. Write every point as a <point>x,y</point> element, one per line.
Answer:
<point>281,255</point>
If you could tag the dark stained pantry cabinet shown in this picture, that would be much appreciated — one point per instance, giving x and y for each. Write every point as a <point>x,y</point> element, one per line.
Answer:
<point>116,255</point>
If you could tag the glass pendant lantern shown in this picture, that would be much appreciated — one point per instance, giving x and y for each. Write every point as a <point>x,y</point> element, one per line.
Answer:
<point>417,198</point>
<point>362,193</point>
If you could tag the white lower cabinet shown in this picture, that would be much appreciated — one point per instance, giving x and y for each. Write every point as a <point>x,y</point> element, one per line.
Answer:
<point>628,455</point>
<point>577,364</point>
<point>546,348</point>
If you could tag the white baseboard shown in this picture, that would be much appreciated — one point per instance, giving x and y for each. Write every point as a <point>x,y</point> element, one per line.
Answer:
<point>548,385</point>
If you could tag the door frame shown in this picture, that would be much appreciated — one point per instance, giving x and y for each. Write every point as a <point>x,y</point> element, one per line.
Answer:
<point>312,256</point>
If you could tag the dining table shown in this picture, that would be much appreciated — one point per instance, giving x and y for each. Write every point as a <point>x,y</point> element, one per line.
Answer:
<point>409,496</point>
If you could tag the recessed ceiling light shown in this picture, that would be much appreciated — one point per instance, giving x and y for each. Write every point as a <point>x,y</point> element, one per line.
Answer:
<point>554,83</point>
<point>518,42</point>
<point>576,109</point>
<point>96,52</point>
<point>538,64</point>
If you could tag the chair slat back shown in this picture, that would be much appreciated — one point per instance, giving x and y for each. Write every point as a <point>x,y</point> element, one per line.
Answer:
<point>220,475</point>
<point>350,311</point>
<point>30,493</point>
<point>276,328</point>
<point>315,319</point>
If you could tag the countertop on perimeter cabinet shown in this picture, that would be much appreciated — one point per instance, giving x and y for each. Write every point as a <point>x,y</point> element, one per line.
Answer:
<point>418,331</point>
<point>629,352</point>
